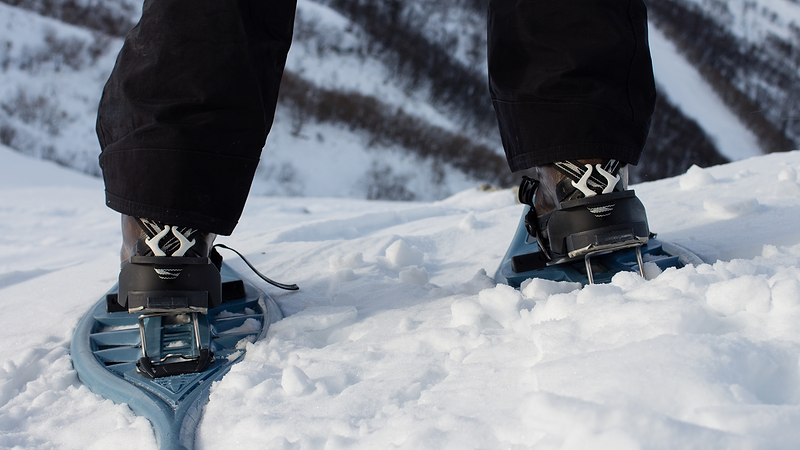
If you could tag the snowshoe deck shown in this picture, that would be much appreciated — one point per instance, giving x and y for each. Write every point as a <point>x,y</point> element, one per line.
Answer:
<point>523,260</point>
<point>107,345</point>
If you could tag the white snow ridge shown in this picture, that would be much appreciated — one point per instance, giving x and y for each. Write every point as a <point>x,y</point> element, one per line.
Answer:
<point>399,339</point>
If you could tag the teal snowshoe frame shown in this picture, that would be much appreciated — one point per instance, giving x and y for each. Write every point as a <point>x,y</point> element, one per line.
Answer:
<point>524,260</point>
<point>106,347</point>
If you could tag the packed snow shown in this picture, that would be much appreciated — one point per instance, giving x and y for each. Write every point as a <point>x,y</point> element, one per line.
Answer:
<point>399,338</point>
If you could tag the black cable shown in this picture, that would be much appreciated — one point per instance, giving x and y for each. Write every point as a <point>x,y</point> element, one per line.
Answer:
<point>288,287</point>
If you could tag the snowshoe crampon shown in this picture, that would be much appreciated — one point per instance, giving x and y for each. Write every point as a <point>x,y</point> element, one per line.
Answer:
<point>599,264</point>
<point>185,351</point>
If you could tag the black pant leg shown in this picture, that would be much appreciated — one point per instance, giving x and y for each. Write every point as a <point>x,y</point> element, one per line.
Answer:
<point>188,106</point>
<point>570,79</point>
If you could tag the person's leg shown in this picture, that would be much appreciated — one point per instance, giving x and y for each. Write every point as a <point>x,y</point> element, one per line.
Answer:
<point>572,86</point>
<point>187,109</point>
<point>181,123</point>
<point>570,79</point>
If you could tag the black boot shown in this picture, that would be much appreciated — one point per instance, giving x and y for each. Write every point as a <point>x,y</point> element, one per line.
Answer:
<point>582,207</point>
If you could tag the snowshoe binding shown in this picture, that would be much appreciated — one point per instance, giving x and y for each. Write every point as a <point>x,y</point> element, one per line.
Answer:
<point>581,223</point>
<point>106,352</point>
<point>176,322</point>
<point>171,278</point>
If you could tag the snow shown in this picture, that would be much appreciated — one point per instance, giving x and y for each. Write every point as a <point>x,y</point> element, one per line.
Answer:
<point>398,338</point>
<point>18,171</point>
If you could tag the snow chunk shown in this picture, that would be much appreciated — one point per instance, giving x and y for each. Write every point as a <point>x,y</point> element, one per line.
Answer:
<point>469,223</point>
<point>249,326</point>
<point>540,289</point>
<point>406,324</point>
<point>557,307</point>
<point>223,315</point>
<point>294,381</point>
<point>770,251</point>
<point>344,275</point>
<point>787,188</point>
<point>730,208</point>
<point>479,282</point>
<point>350,261</point>
<point>401,255</point>
<point>242,344</point>
<point>696,177</point>
<point>747,293</point>
<point>501,303</point>
<point>414,275</point>
<point>786,299</point>
<point>177,344</point>
<point>466,312</point>
<point>651,270</point>
<point>235,355</point>
<point>788,174</point>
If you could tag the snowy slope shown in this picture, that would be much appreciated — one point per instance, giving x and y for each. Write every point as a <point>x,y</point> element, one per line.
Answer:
<point>327,49</point>
<point>755,20</point>
<point>748,51</point>
<point>398,339</point>
<point>53,74</point>
<point>685,87</point>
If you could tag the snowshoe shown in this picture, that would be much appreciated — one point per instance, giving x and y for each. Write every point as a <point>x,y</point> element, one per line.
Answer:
<point>524,260</point>
<point>581,224</point>
<point>159,351</point>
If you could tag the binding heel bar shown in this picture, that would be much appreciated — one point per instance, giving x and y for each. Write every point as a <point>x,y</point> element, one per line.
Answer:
<point>144,280</point>
<point>603,222</point>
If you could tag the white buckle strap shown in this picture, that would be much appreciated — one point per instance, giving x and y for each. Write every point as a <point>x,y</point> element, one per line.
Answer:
<point>587,182</point>
<point>163,245</point>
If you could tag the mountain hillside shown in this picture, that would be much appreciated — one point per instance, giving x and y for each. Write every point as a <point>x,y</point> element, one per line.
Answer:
<point>381,100</point>
<point>749,51</point>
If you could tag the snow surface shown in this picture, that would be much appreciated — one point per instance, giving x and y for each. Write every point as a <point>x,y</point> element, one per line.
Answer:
<point>399,339</point>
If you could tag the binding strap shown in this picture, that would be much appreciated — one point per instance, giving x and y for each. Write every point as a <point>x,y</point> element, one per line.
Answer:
<point>166,240</point>
<point>526,190</point>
